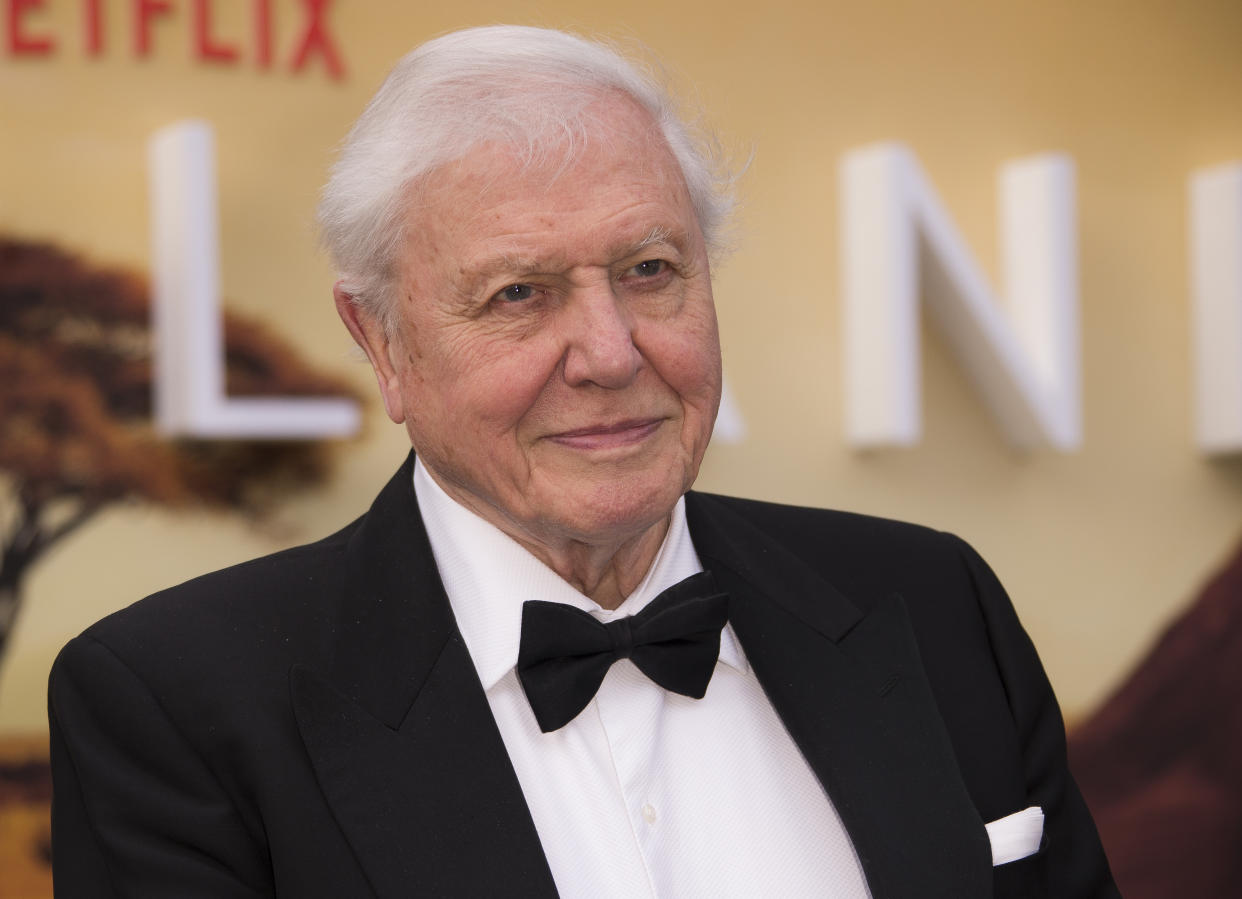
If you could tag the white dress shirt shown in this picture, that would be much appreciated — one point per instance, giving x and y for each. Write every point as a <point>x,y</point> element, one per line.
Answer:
<point>646,792</point>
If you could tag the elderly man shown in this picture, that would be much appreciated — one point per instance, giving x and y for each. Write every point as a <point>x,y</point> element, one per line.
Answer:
<point>538,664</point>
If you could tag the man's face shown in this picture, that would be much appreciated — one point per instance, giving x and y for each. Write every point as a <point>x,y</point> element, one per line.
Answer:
<point>556,361</point>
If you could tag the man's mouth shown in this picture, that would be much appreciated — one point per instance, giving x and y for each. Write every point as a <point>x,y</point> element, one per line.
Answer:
<point>608,435</point>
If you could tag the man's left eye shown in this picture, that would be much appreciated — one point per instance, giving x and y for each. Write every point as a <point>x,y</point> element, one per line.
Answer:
<point>649,268</point>
<point>516,293</point>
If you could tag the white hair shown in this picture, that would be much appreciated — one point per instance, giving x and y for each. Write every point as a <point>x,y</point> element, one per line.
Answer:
<point>507,83</point>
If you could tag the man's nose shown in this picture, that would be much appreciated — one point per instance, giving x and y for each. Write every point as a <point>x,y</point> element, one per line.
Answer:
<point>600,339</point>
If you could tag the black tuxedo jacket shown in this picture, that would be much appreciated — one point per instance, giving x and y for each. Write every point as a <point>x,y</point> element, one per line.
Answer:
<point>310,723</point>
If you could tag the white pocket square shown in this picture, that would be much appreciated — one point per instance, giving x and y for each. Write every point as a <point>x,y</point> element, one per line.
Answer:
<point>1016,836</point>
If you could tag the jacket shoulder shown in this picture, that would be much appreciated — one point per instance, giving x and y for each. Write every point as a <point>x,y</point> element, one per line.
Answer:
<point>837,542</point>
<point>794,518</point>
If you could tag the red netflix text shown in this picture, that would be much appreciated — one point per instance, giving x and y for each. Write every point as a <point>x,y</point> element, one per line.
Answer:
<point>28,31</point>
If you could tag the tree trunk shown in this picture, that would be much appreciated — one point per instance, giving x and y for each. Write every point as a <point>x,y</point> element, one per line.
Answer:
<point>22,549</point>
<point>10,601</point>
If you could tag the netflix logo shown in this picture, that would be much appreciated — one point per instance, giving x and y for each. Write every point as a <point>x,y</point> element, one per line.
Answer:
<point>29,32</point>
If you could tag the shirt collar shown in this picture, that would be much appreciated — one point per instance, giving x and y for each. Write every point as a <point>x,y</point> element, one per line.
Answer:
<point>488,576</point>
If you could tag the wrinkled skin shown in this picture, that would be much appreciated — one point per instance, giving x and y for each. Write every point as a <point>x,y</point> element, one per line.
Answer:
<point>556,360</point>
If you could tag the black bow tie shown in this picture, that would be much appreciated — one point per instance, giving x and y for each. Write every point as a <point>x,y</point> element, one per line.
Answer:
<point>565,653</point>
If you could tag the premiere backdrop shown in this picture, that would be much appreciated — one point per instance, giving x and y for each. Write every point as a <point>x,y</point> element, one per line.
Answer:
<point>1098,547</point>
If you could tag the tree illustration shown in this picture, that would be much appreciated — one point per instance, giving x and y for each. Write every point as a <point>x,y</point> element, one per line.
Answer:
<point>75,411</point>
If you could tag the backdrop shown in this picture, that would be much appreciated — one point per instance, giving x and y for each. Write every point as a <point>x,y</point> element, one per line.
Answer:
<point>1098,547</point>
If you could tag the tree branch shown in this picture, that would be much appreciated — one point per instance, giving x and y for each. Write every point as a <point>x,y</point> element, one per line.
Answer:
<point>84,514</point>
<point>27,532</point>
<point>32,539</point>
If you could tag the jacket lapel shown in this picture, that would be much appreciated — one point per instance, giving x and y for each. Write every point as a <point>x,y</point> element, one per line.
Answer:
<point>400,733</point>
<point>850,688</point>
<point>409,758</point>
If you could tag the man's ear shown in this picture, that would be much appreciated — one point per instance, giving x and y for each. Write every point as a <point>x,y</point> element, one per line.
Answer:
<point>370,335</point>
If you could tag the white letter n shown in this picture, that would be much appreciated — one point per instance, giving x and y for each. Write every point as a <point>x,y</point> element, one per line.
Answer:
<point>898,244</point>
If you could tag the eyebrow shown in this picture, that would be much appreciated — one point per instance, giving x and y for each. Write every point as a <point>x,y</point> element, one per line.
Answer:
<point>658,234</point>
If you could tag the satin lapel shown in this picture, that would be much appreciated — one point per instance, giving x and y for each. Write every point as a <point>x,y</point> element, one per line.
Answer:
<point>850,688</point>
<point>400,732</point>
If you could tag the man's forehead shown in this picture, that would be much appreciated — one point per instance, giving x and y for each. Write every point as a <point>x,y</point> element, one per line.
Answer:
<point>491,212</point>
<point>611,128</point>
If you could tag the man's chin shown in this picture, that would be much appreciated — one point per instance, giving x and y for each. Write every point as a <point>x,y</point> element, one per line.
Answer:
<point>611,515</point>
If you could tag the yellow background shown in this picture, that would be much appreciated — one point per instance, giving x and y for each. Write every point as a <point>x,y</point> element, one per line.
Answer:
<point>1098,548</point>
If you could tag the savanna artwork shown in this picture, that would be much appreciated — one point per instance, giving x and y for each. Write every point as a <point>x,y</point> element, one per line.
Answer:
<point>76,437</point>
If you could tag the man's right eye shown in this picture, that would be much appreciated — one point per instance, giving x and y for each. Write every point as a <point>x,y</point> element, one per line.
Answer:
<point>515,293</point>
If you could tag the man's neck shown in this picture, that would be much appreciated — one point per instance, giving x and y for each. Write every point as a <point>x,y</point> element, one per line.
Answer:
<point>607,572</point>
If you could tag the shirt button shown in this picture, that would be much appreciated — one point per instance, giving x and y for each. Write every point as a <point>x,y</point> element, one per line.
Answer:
<point>649,813</point>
